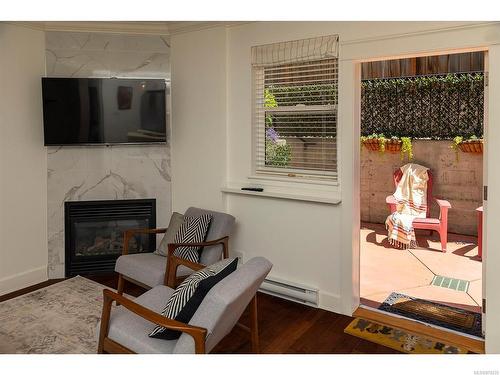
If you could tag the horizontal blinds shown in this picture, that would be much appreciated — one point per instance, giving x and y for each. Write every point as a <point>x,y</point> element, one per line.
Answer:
<point>295,51</point>
<point>295,119</point>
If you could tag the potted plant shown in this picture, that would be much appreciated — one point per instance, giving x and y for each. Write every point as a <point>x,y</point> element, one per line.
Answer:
<point>472,145</point>
<point>378,142</point>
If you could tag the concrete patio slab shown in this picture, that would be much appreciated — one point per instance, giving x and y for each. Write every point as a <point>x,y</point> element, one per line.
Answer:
<point>476,291</point>
<point>385,269</point>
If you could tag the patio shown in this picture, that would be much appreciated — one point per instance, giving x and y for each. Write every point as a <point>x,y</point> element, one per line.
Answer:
<point>385,269</point>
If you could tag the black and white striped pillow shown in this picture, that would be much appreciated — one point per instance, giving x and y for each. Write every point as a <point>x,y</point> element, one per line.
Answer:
<point>194,229</point>
<point>188,296</point>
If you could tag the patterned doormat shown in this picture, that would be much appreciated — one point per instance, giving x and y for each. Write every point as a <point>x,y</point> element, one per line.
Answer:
<point>434,313</point>
<point>398,339</point>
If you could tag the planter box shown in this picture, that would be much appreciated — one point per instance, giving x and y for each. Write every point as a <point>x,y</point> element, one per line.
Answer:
<point>391,145</point>
<point>475,147</point>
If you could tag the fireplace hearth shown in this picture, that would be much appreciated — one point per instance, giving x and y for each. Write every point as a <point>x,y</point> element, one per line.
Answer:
<point>94,232</point>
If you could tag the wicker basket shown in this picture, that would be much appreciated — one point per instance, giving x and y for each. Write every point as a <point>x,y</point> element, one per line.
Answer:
<point>372,144</point>
<point>475,147</point>
<point>393,145</point>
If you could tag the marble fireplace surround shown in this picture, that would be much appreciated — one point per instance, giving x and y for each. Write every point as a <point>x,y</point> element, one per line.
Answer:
<point>77,173</point>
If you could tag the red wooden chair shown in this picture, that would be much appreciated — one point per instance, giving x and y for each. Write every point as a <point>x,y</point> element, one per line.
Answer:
<point>439,225</point>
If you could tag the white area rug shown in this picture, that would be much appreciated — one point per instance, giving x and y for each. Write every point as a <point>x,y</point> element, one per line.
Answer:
<point>61,318</point>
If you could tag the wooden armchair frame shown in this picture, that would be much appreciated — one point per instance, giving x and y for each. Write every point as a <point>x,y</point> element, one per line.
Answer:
<point>173,262</point>
<point>107,345</point>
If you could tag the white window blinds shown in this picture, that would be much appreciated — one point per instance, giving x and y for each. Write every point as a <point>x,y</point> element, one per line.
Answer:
<point>295,108</point>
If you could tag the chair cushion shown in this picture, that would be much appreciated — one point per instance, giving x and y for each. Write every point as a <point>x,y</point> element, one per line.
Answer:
<point>146,268</point>
<point>194,229</point>
<point>130,330</point>
<point>221,226</point>
<point>176,220</point>
<point>188,296</point>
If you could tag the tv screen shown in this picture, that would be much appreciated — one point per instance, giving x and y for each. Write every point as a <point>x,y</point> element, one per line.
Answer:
<point>103,111</point>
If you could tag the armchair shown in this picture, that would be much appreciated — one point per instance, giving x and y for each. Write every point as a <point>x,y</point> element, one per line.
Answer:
<point>126,328</point>
<point>149,269</point>
<point>439,225</point>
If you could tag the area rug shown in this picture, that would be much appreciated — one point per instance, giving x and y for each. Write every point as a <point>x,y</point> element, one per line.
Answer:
<point>433,313</point>
<point>400,340</point>
<point>61,318</point>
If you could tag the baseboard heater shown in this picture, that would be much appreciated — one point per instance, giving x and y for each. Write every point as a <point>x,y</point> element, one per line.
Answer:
<point>290,291</point>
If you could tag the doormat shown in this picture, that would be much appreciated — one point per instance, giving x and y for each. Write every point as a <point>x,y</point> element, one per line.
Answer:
<point>398,339</point>
<point>453,318</point>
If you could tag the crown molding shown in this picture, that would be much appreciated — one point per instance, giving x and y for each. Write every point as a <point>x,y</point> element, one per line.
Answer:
<point>115,27</point>
<point>179,27</point>
<point>124,27</point>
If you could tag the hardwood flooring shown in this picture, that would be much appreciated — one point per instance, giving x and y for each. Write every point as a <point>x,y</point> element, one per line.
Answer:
<point>285,327</point>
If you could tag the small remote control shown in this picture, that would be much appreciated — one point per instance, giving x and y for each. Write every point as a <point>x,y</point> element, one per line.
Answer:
<point>253,189</point>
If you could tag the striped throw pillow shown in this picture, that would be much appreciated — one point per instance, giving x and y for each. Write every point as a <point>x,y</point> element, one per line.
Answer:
<point>194,229</point>
<point>189,295</point>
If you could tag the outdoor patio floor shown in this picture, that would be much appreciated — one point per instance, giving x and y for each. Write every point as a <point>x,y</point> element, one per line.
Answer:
<point>385,269</point>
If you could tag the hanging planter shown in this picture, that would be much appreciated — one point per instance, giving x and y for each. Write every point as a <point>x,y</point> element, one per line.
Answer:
<point>472,145</point>
<point>393,145</point>
<point>378,142</point>
<point>373,144</point>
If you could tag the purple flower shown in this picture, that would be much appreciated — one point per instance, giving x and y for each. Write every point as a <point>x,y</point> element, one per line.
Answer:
<point>272,134</point>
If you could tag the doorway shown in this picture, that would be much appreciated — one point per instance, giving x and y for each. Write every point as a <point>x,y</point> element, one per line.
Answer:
<point>429,111</point>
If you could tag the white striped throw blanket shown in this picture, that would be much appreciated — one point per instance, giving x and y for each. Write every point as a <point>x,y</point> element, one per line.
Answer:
<point>411,198</point>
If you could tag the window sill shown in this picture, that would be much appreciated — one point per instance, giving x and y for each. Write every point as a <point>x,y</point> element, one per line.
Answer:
<point>324,197</point>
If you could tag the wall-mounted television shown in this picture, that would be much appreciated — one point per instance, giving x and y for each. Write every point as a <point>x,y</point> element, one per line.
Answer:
<point>93,111</point>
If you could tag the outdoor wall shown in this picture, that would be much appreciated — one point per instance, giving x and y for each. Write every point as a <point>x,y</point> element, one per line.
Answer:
<point>23,162</point>
<point>458,181</point>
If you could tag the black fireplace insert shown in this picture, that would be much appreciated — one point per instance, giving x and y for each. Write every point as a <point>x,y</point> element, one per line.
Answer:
<point>94,232</point>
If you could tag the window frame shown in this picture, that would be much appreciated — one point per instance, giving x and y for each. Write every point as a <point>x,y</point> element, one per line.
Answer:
<point>289,174</point>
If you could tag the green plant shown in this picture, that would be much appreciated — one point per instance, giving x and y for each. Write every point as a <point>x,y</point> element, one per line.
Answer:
<point>406,148</point>
<point>277,154</point>
<point>380,137</point>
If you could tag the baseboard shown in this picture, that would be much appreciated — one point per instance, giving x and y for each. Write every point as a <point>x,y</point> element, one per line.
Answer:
<point>22,280</point>
<point>330,302</point>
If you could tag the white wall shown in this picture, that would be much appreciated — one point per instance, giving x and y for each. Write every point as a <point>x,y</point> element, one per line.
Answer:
<point>199,137</point>
<point>309,243</point>
<point>23,162</point>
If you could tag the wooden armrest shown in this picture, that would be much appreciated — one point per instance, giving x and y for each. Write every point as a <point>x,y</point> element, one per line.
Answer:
<point>174,262</point>
<point>443,203</point>
<point>130,232</point>
<point>198,333</point>
<point>390,199</point>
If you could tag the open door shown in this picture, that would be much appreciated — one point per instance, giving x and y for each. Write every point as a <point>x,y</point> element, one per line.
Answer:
<point>482,231</point>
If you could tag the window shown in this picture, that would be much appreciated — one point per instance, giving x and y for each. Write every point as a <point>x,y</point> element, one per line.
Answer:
<point>295,114</point>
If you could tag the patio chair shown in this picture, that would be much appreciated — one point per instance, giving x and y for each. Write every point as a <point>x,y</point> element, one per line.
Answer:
<point>439,225</point>
<point>126,328</point>
<point>149,269</point>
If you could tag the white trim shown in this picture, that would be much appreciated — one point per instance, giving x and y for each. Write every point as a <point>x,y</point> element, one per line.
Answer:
<point>332,199</point>
<point>22,280</point>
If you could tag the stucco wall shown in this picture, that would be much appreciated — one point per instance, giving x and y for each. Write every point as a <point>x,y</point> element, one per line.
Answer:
<point>458,181</point>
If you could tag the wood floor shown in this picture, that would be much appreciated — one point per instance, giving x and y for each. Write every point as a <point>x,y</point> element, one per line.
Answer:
<point>284,327</point>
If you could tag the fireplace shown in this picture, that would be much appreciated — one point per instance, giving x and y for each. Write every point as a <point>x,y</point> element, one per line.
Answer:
<point>94,232</point>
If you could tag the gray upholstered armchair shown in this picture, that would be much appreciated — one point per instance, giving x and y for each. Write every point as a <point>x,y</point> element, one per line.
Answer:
<point>126,328</point>
<point>150,269</point>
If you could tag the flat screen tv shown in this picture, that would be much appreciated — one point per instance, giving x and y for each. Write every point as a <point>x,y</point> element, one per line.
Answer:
<point>92,111</point>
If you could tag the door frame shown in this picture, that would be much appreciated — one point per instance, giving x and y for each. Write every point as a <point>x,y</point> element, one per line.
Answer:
<point>352,69</point>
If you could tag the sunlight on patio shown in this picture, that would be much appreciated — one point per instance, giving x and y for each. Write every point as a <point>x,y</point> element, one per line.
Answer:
<point>385,269</point>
